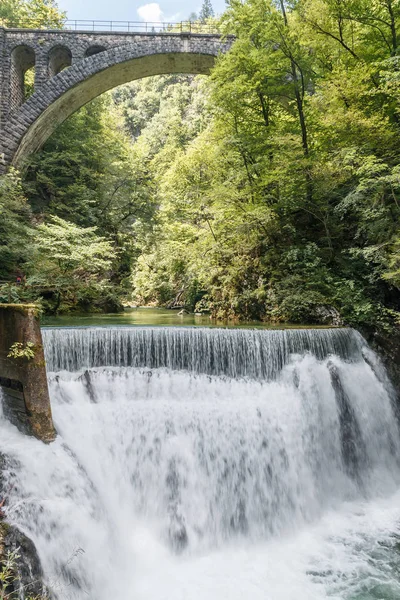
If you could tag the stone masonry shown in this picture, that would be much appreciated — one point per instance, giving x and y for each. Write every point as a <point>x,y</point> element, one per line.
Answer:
<point>72,68</point>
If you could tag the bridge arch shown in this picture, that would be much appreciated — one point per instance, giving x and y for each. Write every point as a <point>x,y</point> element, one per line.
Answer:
<point>27,130</point>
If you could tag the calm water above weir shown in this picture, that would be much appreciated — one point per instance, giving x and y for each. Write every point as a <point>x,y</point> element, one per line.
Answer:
<point>150,316</point>
<point>212,464</point>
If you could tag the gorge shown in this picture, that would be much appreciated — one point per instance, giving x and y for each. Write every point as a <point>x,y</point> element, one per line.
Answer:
<point>200,302</point>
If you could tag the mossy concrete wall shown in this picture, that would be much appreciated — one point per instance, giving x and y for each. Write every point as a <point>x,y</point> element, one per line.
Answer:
<point>24,380</point>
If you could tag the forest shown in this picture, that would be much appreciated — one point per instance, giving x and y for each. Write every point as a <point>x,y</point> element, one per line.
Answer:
<point>269,190</point>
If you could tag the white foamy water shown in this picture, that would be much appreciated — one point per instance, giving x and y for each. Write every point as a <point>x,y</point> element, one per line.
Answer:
<point>170,480</point>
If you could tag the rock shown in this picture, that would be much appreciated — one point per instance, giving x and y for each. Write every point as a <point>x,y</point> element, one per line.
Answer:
<point>387,345</point>
<point>326,315</point>
<point>27,568</point>
<point>2,466</point>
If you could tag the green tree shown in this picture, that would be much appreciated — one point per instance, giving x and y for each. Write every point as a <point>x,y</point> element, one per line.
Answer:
<point>291,211</point>
<point>269,191</point>
<point>89,174</point>
<point>14,227</point>
<point>69,261</point>
<point>31,13</point>
<point>206,11</point>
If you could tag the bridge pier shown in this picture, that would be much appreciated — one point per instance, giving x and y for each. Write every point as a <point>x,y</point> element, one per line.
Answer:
<point>23,378</point>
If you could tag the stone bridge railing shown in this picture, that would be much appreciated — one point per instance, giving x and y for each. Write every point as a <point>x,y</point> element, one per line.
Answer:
<point>87,25</point>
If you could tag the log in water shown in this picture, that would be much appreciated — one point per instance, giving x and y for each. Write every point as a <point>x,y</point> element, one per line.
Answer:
<point>197,464</point>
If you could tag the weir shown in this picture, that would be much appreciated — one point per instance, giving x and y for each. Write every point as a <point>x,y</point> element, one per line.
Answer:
<point>258,354</point>
<point>231,463</point>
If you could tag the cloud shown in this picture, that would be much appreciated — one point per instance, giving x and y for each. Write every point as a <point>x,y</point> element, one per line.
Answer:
<point>151,12</point>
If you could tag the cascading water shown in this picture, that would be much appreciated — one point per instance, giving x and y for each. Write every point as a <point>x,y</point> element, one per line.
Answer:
<point>211,464</point>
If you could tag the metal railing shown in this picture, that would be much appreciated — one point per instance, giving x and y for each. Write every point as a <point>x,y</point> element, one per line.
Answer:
<point>119,26</point>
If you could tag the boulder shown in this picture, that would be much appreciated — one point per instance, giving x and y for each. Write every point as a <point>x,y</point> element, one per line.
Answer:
<point>28,574</point>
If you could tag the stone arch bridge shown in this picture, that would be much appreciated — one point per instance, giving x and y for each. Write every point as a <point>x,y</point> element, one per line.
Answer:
<point>72,68</point>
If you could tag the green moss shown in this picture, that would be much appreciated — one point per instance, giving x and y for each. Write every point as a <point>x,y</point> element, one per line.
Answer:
<point>40,364</point>
<point>43,427</point>
<point>24,309</point>
<point>19,306</point>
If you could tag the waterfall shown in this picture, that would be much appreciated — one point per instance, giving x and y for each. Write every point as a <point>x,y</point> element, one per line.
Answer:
<point>234,353</point>
<point>203,464</point>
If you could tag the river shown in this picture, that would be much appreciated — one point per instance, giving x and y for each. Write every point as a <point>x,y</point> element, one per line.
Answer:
<point>150,316</point>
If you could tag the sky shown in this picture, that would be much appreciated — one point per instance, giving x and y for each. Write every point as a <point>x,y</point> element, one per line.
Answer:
<point>134,10</point>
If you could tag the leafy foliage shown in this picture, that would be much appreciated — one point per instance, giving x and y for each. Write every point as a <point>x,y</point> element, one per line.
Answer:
<point>19,350</point>
<point>206,11</point>
<point>270,190</point>
<point>68,260</point>
<point>14,224</point>
<point>31,13</point>
<point>8,578</point>
<point>287,200</point>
